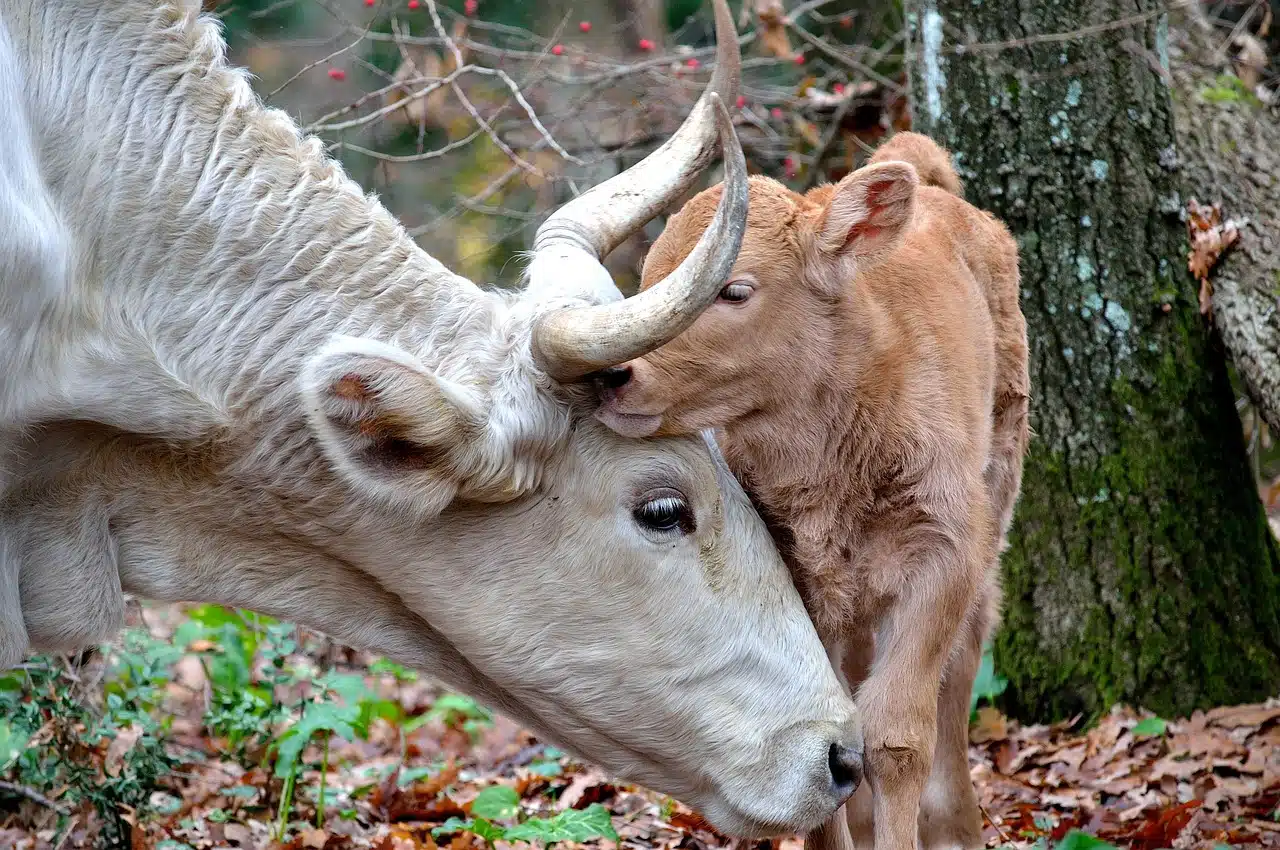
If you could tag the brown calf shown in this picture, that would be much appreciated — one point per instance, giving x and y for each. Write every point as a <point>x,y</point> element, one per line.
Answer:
<point>867,362</point>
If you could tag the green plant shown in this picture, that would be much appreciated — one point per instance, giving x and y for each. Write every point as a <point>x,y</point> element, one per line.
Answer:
<point>457,710</point>
<point>501,803</point>
<point>105,748</point>
<point>349,718</point>
<point>243,707</point>
<point>1228,88</point>
<point>988,684</point>
<point>1077,840</point>
<point>1150,727</point>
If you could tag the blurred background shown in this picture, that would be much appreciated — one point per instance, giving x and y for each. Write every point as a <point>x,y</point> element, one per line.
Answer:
<point>555,96</point>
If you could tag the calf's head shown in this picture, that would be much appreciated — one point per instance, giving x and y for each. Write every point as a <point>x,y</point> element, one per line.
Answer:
<point>773,324</point>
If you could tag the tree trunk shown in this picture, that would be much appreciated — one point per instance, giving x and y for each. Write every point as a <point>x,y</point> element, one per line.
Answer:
<point>1141,567</point>
<point>1230,145</point>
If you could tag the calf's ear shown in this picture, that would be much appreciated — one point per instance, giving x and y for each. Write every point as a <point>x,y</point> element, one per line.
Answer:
<point>865,217</point>
<point>389,425</point>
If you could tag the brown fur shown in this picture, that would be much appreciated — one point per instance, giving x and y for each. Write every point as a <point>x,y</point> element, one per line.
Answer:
<point>873,396</point>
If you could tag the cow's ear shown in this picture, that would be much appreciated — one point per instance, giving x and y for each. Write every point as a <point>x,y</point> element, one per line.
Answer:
<point>390,425</point>
<point>865,217</point>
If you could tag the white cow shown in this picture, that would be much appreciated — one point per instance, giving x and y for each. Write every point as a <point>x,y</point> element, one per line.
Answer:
<point>226,374</point>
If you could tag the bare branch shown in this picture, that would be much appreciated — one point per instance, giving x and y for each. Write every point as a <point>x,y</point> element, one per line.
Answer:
<point>34,796</point>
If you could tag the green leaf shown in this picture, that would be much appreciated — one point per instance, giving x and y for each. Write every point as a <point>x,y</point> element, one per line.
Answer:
<point>497,802</point>
<point>384,666</point>
<point>476,826</point>
<point>13,743</point>
<point>570,825</point>
<point>244,792</point>
<point>453,824</point>
<point>988,684</point>
<point>546,768</point>
<point>457,704</point>
<point>1077,840</point>
<point>319,717</point>
<point>1149,727</point>
<point>410,775</point>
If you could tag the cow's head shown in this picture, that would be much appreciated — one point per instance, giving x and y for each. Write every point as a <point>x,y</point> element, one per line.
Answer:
<point>776,322</point>
<point>411,464</point>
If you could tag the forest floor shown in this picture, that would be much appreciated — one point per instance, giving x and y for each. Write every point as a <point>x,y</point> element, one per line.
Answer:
<point>409,764</point>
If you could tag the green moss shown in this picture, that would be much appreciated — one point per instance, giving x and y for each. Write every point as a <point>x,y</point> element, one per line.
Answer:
<point>1228,88</point>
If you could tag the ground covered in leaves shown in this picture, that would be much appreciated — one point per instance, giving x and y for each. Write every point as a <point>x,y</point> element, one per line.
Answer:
<point>207,728</point>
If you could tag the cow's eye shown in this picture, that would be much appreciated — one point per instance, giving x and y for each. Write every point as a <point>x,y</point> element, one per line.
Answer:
<point>664,512</point>
<point>736,292</point>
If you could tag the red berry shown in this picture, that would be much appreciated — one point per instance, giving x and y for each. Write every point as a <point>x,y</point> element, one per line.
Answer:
<point>413,4</point>
<point>646,44</point>
<point>337,74</point>
<point>470,7</point>
<point>838,88</point>
<point>846,21</point>
<point>742,101</point>
<point>585,26</point>
<point>789,165</point>
<point>557,50</point>
<point>799,60</point>
<point>776,113</point>
<point>370,2</point>
<point>692,62</point>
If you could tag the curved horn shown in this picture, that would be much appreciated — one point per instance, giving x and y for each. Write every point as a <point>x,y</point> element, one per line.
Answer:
<point>576,341</point>
<point>602,218</point>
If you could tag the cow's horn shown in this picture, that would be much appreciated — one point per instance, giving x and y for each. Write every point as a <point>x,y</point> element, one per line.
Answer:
<point>576,341</point>
<point>573,342</point>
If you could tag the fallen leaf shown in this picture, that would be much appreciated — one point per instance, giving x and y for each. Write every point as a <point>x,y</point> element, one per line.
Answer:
<point>1234,717</point>
<point>120,747</point>
<point>315,839</point>
<point>991,726</point>
<point>238,833</point>
<point>1210,237</point>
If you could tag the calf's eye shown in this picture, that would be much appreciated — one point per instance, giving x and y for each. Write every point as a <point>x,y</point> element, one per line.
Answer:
<point>664,512</point>
<point>736,293</point>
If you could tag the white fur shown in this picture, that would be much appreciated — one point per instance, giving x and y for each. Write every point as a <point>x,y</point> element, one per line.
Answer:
<point>228,375</point>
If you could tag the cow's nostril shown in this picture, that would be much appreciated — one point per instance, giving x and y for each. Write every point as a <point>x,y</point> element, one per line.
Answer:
<point>846,770</point>
<point>613,377</point>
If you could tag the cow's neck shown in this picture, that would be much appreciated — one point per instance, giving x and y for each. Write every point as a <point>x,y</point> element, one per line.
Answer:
<point>258,248</point>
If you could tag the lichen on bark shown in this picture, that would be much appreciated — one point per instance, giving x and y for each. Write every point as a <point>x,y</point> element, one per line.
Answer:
<point>1141,568</point>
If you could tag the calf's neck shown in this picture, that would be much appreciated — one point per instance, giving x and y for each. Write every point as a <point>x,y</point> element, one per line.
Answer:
<point>867,362</point>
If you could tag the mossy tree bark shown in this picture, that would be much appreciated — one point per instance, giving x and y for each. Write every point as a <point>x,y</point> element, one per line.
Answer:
<point>1141,567</point>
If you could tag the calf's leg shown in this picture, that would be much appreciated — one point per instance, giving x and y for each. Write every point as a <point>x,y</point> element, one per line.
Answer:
<point>899,699</point>
<point>949,814</point>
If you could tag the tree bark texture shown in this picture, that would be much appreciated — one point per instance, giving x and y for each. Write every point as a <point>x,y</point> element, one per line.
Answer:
<point>1230,147</point>
<point>1141,567</point>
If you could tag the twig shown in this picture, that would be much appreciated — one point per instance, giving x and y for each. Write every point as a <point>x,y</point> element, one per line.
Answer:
<point>515,92</point>
<point>1004,836</point>
<point>391,107</point>
<point>828,140</point>
<point>413,157</point>
<point>1050,37</point>
<point>34,796</point>
<point>66,833</point>
<point>842,57</point>
<point>318,62</point>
